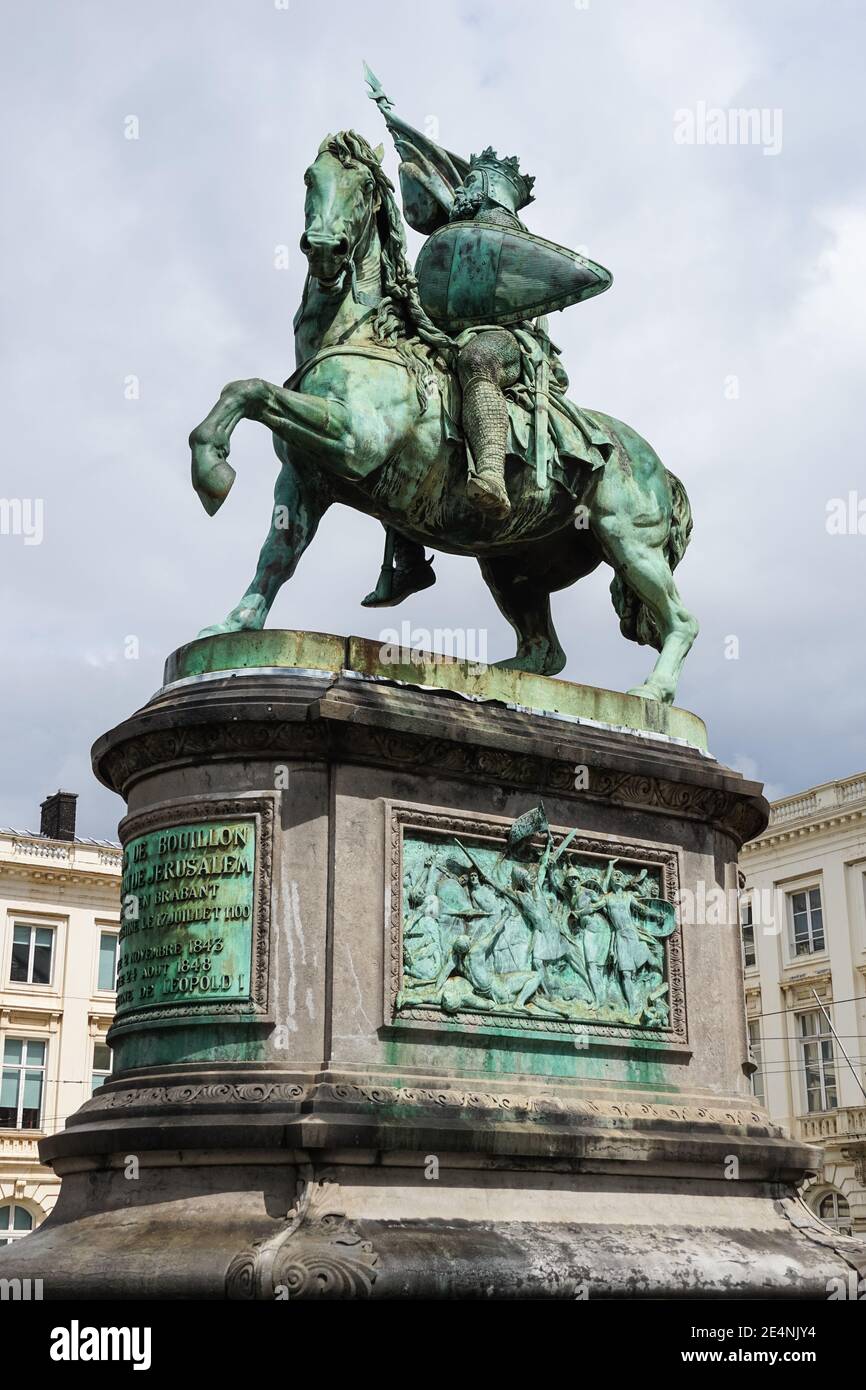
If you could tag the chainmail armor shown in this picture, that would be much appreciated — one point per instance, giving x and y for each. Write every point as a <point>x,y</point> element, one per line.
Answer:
<point>488,363</point>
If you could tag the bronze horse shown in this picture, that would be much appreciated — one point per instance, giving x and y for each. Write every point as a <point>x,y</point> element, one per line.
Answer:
<point>364,421</point>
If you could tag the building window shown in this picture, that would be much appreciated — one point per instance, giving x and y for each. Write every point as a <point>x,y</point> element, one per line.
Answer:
<point>15,1222</point>
<point>807,921</point>
<point>748,933</point>
<point>758,1059</point>
<point>32,954</point>
<point>22,1083</point>
<point>102,1059</point>
<point>107,974</point>
<point>834,1211</point>
<point>819,1067</point>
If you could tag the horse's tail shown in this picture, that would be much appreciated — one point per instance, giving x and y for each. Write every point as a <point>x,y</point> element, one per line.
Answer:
<point>635,620</point>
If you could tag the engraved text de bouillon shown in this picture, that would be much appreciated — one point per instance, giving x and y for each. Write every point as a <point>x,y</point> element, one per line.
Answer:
<point>187,915</point>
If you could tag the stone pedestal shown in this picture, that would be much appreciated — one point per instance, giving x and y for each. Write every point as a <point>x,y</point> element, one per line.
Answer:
<point>295,1112</point>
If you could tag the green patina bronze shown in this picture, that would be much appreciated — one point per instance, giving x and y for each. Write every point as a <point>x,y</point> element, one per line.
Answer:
<point>474,273</point>
<point>458,438</point>
<point>268,648</point>
<point>532,931</point>
<point>188,914</point>
<point>277,649</point>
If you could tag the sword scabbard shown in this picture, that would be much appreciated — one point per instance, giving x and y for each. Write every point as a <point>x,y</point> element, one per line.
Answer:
<point>542,381</point>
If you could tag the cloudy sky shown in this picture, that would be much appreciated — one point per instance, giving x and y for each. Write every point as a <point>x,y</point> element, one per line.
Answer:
<point>733,337</point>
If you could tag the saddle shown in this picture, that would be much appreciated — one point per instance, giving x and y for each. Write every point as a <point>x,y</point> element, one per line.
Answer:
<point>572,439</point>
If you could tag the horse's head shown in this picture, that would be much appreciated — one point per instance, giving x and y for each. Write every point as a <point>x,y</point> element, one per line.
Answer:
<point>343,198</point>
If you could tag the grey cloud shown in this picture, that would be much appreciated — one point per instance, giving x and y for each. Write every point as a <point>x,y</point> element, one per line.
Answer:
<point>154,258</point>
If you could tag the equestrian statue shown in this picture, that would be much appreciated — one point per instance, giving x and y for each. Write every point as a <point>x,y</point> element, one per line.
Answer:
<point>434,400</point>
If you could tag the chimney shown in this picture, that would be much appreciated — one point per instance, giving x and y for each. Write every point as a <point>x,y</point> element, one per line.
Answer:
<point>58,816</point>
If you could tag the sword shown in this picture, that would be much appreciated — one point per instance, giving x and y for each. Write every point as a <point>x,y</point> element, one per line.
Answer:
<point>542,382</point>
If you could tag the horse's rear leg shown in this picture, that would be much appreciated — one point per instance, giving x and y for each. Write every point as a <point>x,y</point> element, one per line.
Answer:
<point>524,599</point>
<point>650,575</point>
<point>637,552</point>
<point>298,508</point>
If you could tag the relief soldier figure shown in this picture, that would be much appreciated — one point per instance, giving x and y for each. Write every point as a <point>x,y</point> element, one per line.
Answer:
<point>478,983</point>
<point>617,945</point>
<point>595,930</point>
<point>422,944</point>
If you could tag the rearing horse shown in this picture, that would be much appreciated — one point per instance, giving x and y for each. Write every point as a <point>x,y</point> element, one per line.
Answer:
<point>373,428</point>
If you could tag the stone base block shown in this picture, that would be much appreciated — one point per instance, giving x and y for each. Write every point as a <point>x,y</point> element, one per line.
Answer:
<point>424,995</point>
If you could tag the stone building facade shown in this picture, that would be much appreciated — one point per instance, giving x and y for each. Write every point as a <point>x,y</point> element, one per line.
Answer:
<point>59,922</point>
<point>803,914</point>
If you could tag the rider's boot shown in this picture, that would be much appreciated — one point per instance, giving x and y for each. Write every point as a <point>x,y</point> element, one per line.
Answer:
<point>485,420</point>
<point>410,572</point>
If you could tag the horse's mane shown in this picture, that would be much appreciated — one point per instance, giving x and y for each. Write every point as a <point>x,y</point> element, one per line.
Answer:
<point>400,315</point>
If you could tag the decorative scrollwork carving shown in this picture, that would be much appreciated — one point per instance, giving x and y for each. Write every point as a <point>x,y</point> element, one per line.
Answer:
<point>317,1254</point>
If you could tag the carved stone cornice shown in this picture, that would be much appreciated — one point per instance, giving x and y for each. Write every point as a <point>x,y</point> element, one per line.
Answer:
<point>798,987</point>
<point>310,1097</point>
<point>256,1109</point>
<point>33,1012</point>
<point>798,830</point>
<point>302,717</point>
<point>62,873</point>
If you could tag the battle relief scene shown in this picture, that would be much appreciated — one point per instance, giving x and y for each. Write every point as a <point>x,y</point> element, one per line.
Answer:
<point>394,964</point>
<point>534,931</point>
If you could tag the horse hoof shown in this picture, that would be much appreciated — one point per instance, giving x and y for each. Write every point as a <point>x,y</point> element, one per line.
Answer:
<point>648,692</point>
<point>212,476</point>
<point>548,663</point>
<point>247,617</point>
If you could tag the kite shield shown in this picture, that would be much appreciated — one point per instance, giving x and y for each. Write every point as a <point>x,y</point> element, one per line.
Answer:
<point>476,272</point>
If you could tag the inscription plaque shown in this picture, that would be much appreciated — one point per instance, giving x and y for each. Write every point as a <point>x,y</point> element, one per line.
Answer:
<point>188,916</point>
